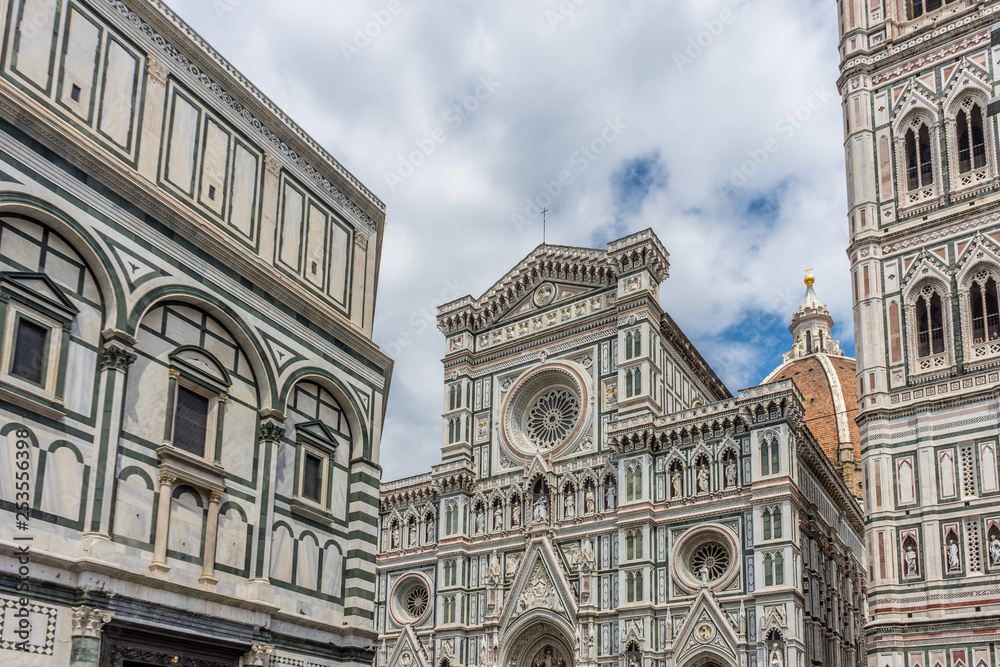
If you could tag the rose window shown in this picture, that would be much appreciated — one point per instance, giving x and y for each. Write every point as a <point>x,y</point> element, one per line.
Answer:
<point>410,600</point>
<point>416,601</point>
<point>712,557</point>
<point>552,417</point>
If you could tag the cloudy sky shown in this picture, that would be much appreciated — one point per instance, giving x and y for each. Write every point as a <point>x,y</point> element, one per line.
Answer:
<point>715,122</point>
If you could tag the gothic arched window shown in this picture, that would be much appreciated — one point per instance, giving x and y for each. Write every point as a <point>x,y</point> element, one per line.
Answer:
<point>930,323</point>
<point>985,308</point>
<point>765,521</point>
<point>919,171</point>
<point>920,7</point>
<point>776,521</point>
<point>971,139</point>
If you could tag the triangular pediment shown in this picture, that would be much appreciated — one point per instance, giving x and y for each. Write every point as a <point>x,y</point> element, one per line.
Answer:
<point>524,286</point>
<point>38,289</point>
<point>540,585</point>
<point>408,651</point>
<point>706,629</point>
<point>546,296</point>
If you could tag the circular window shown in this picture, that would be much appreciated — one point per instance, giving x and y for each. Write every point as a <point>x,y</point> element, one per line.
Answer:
<point>416,601</point>
<point>552,417</point>
<point>704,555</point>
<point>546,410</point>
<point>712,558</point>
<point>410,600</point>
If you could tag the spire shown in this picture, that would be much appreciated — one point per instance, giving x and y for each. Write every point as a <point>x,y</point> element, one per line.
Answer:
<point>811,325</point>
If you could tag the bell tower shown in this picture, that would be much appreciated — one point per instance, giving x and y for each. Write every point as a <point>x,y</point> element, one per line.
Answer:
<point>923,194</point>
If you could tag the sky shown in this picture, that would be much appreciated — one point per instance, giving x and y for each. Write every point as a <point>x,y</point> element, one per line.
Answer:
<point>717,123</point>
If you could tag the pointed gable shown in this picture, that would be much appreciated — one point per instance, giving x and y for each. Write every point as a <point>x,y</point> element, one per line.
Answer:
<point>540,585</point>
<point>706,630</point>
<point>408,652</point>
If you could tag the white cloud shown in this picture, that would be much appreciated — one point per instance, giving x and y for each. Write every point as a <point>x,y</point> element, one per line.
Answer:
<point>450,221</point>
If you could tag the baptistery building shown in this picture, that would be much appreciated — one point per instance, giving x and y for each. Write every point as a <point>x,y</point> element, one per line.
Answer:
<point>603,499</point>
<point>190,400</point>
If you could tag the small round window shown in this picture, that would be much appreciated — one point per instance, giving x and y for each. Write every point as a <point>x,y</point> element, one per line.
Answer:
<point>410,600</point>
<point>705,556</point>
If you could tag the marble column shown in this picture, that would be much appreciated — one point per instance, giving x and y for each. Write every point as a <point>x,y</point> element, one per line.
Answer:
<point>116,356</point>
<point>211,539</point>
<point>159,563</point>
<point>86,638</point>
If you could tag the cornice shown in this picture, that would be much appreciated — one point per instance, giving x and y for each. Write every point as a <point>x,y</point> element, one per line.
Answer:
<point>918,50</point>
<point>79,150</point>
<point>164,24</point>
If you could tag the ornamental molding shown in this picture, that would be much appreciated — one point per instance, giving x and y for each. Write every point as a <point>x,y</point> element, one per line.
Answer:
<point>89,621</point>
<point>252,123</point>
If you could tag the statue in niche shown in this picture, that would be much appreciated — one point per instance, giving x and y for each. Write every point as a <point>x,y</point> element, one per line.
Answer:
<point>480,520</point>
<point>569,504</point>
<point>394,537</point>
<point>540,512</point>
<point>954,562</point>
<point>429,532</point>
<point>412,534</point>
<point>588,500</point>
<point>704,486</point>
<point>911,561</point>
<point>731,474</point>
<point>515,513</point>
<point>497,518</point>
<point>775,660</point>
<point>609,497</point>
<point>995,550</point>
<point>676,483</point>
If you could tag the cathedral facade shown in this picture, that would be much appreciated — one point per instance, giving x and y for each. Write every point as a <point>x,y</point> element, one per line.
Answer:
<point>603,499</point>
<point>923,183</point>
<point>190,400</point>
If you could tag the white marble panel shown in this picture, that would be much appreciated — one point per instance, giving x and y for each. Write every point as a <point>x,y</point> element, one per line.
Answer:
<point>231,549</point>
<point>307,571</point>
<point>281,554</point>
<point>186,519</point>
<point>62,484</point>
<point>133,508</point>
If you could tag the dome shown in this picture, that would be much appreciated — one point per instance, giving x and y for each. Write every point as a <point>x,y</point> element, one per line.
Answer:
<point>827,381</point>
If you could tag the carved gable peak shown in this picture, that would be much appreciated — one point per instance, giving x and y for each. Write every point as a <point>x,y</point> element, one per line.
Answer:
<point>540,585</point>
<point>707,629</point>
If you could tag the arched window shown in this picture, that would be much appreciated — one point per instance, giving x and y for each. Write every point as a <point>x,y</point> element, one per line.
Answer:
<point>628,384</point>
<point>779,569</point>
<point>768,570</point>
<point>633,482</point>
<point>638,380</point>
<point>765,520</point>
<point>971,140</point>
<point>630,587</point>
<point>930,323</point>
<point>985,308</point>
<point>637,344</point>
<point>919,172</point>
<point>765,457</point>
<point>809,342</point>
<point>628,345</point>
<point>638,585</point>
<point>776,521</point>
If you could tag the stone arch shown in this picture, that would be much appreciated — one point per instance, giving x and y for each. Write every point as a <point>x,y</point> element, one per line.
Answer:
<point>227,317</point>
<point>352,410</point>
<point>707,656</point>
<point>524,637</point>
<point>81,240</point>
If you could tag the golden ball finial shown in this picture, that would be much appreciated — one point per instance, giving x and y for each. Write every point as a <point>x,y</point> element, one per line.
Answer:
<point>810,278</point>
